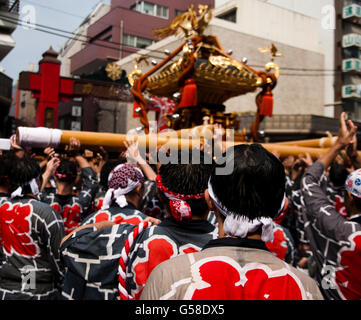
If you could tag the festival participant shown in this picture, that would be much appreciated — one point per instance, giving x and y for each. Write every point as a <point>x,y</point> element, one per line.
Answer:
<point>30,232</point>
<point>335,242</point>
<point>150,203</point>
<point>102,250</point>
<point>103,183</point>
<point>238,264</point>
<point>336,181</point>
<point>123,196</point>
<point>72,208</point>
<point>5,163</point>
<point>185,229</point>
<point>101,247</point>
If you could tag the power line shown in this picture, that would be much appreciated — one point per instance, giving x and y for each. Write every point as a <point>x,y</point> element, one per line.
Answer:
<point>118,43</point>
<point>39,27</point>
<point>14,20</point>
<point>34,26</point>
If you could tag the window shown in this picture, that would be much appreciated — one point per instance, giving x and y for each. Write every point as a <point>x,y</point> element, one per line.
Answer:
<point>148,8</point>
<point>151,9</point>
<point>178,12</point>
<point>49,117</point>
<point>351,52</point>
<point>101,34</point>
<point>350,2</point>
<point>229,16</point>
<point>129,40</point>
<point>137,42</point>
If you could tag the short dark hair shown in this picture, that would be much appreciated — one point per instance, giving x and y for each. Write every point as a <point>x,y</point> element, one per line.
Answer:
<point>338,174</point>
<point>23,170</point>
<point>66,172</point>
<point>187,179</point>
<point>357,202</point>
<point>6,162</point>
<point>256,186</point>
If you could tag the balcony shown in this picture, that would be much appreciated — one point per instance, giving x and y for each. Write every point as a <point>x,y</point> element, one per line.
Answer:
<point>351,91</point>
<point>351,40</point>
<point>92,57</point>
<point>351,65</point>
<point>9,15</point>
<point>7,43</point>
<point>352,13</point>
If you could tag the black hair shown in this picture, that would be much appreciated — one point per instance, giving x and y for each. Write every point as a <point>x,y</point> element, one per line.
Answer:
<point>66,172</point>
<point>338,174</point>
<point>23,170</point>
<point>357,202</point>
<point>105,171</point>
<point>6,162</point>
<point>256,186</point>
<point>187,179</point>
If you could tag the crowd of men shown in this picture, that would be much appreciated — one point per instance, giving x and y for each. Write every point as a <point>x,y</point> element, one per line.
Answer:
<point>81,225</point>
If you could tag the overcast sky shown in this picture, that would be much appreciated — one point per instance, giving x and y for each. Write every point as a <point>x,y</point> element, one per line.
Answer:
<point>68,14</point>
<point>30,44</point>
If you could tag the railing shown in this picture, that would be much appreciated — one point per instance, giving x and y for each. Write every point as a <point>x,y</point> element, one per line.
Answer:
<point>352,64</point>
<point>351,11</point>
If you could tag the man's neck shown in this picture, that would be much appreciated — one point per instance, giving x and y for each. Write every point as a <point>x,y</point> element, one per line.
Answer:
<point>354,213</point>
<point>4,190</point>
<point>64,189</point>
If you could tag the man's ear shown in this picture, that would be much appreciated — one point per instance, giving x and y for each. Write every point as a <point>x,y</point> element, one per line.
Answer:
<point>209,201</point>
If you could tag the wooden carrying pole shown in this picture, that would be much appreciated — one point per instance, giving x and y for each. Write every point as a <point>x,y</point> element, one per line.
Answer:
<point>312,143</point>
<point>43,137</point>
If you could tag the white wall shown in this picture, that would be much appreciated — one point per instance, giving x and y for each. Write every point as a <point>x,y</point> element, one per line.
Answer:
<point>72,46</point>
<point>324,36</point>
<point>267,21</point>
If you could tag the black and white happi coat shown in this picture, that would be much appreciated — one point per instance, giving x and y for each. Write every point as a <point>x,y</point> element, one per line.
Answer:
<point>229,269</point>
<point>335,241</point>
<point>73,208</point>
<point>92,260</point>
<point>31,266</point>
<point>162,242</point>
<point>93,257</point>
<point>129,214</point>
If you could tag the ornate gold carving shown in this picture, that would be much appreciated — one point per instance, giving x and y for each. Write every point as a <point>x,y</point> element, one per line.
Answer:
<point>188,22</point>
<point>114,71</point>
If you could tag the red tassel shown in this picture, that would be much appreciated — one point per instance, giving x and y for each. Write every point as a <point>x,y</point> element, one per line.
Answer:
<point>266,108</point>
<point>135,106</point>
<point>189,95</point>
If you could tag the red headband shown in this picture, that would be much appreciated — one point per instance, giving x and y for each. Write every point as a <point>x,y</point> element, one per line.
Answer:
<point>63,175</point>
<point>179,196</point>
<point>179,208</point>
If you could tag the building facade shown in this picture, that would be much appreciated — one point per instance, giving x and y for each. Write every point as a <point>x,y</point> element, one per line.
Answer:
<point>122,29</point>
<point>348,57</point>
<point>9,14</point>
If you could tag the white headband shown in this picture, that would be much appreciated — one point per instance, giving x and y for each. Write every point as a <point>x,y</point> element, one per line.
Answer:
<point>119,194</point>
<point>19,191</point>
<point>241,226</point>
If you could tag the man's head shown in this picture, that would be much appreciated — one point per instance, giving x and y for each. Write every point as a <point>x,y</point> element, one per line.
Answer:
<point>6,161</point>
<point>353,193</point>
<point>105,171</point>
<point>125,184</point>
<point>253,194</point>
<point>183,185</point>
<point>23,173</point>
<point>338,174</point>
<point>66,172</point>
